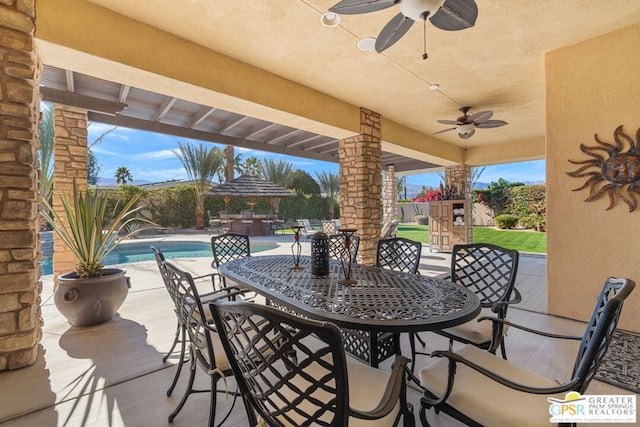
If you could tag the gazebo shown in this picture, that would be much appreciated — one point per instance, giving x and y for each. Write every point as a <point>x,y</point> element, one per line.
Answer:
<point>250,187</point>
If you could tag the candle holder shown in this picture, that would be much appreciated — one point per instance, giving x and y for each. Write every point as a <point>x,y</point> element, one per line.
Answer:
<point>296,248</point>
<point>346,266</point>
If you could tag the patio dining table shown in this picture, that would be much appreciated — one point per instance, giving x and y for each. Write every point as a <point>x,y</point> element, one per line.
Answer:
<point>381,302</point>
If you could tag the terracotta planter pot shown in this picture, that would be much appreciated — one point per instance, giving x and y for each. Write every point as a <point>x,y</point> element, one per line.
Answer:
<point>88,302</point>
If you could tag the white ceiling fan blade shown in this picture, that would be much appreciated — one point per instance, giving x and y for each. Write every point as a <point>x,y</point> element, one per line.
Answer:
<point>481,116</point>
<point>443,131</point>
<point>393,31</point>
<point>450,122</point>
<point>355,7</point>
<point>491,124</point>
<point>455,15</point>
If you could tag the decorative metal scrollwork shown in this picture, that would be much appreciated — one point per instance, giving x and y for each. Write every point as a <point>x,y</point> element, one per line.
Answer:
<point>618,169</point>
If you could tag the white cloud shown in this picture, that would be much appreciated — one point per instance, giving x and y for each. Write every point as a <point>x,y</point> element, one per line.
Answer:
<point>155,155</point>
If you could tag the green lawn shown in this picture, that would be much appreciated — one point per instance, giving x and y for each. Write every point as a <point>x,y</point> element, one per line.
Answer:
<point>524,241</point>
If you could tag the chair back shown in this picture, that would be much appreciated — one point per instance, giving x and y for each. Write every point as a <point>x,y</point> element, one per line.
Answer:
<point>389,229</point>
<point>229,246</point>
<point>488,270</point>
<point>399,254</point>
<point>599,331</point>
<point>338,251</point>
<point>300,380</point>
<point>329,227</point>
<point>190,311</point>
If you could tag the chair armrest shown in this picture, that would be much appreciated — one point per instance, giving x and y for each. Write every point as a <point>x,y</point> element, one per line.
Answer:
<point>499,306</point>
<point>392,393</point>
<point>533,331</point>
<point>455,358</point>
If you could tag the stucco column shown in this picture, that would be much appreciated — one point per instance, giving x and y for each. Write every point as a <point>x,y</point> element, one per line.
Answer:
<point>20,286</point>
<point>70,163</point>
<point>361,184</point>
<point>389,194</point>
<point>459,177</point>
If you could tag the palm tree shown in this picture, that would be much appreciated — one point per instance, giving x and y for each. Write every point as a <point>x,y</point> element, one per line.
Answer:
<point>202,164</point>
<point>277,171</point>
<point>252,166</point>
<point>123,176</point>
<point>46,153</point>
<point>330,186</point>
<point>401,185</point>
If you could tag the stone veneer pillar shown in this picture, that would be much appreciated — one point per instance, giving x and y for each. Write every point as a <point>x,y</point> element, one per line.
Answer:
<point>20,285</point>
<point>70,163</point>
<point>361,184</point>
<point>460,178</point>
<point>389,195</point>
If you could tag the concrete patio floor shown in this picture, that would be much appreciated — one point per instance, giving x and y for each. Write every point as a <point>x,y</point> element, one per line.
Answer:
<point>113,374</point>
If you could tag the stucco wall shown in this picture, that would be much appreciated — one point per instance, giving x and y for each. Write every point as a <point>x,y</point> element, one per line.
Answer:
<point>592,88</point>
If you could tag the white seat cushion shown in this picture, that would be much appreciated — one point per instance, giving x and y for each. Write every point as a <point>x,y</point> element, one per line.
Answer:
<point>486,401</point>
<point>474,331</point>
<point>366,387</point>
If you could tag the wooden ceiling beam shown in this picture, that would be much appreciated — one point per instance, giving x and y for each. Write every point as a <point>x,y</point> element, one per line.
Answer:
<point>81,101</point>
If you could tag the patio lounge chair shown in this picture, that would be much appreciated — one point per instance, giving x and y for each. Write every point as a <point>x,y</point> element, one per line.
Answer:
<point>479,388</point>
<point>389,229</point>
<point>317,385</point>
<point>307,230</point>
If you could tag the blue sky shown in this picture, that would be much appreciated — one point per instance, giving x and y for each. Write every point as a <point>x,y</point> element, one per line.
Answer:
<point>150,157</point>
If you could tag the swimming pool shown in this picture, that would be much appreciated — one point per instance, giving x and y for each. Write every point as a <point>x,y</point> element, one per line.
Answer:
<point>141,251</point>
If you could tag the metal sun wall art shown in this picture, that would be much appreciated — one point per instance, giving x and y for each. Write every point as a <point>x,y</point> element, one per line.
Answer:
<point>611,164</point>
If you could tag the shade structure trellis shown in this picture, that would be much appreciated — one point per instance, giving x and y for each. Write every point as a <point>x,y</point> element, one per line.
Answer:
<point>250,187</point>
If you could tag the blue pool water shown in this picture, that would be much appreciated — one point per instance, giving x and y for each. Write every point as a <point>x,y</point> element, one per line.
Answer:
<point>141,251</point>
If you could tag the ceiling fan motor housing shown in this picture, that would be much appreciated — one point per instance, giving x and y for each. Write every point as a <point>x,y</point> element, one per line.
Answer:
<point>419,10</point>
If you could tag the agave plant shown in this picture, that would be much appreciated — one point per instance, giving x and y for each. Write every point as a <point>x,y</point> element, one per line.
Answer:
<point>87,234</point>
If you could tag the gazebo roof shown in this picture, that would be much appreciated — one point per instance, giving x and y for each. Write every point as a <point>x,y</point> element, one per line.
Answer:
<point>249,186</point>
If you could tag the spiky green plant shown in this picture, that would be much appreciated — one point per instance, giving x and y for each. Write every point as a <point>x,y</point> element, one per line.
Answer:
<point>87,234</point>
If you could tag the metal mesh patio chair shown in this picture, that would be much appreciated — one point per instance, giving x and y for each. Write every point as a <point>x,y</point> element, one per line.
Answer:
<point>227,247</point>
<point>181,332</point>
<point>479,388</point>
<point>399,254</point>
<point>206,352</point>
<point>490,272</point>
<point>338,251</point>
<point>320,386</point>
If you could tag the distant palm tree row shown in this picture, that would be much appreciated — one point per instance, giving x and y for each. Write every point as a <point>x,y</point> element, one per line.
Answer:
<point>203,164</point>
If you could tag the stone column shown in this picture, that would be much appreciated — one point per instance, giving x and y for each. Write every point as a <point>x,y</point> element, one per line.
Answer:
<point>389,195</point>
<point>361,184</point>
<point>70,163</point>
<point>459,177</point>
<point>20,286</point>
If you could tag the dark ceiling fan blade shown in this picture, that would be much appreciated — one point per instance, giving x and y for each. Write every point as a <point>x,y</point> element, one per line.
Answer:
<point>467,135</point>
<point>393,31</point>
<point>443,131</point>
<point>455,15</point>
<point>491,124</point>
<point>480,117</point>
<point>450,122</point>
<point>355,7</point>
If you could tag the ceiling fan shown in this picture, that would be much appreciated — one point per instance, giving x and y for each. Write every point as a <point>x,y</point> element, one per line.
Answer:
<point>450,15</point>
<point>466,125</point>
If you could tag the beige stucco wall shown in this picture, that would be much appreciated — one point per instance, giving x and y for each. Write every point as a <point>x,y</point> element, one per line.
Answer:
<point>592,87</point>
